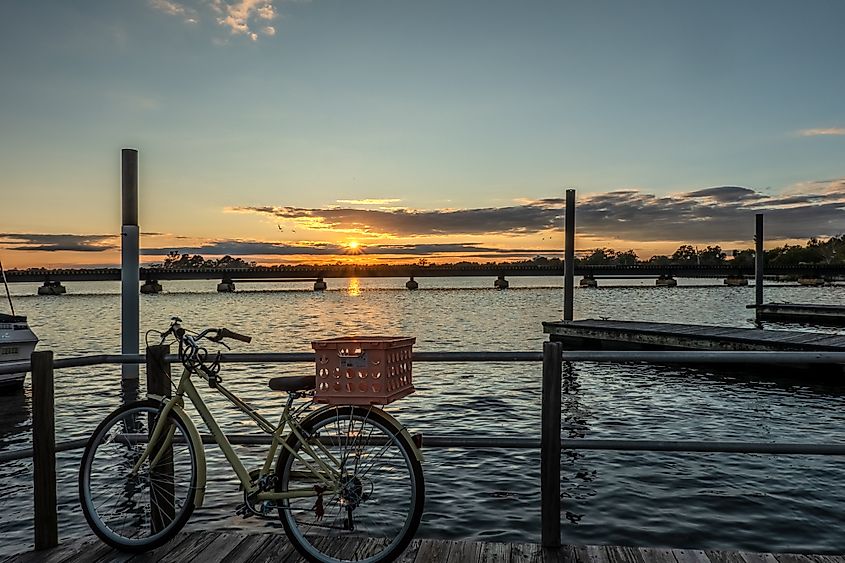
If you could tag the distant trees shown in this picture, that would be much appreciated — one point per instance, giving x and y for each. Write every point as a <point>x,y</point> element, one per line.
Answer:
<point>815,251</point>
<point>743,258</point>
<point>685,253</point>
<point>659,260</point>
<point>605,256</point>
<point>831,251</point>
<point>712,255</point>
<point>176,260</point>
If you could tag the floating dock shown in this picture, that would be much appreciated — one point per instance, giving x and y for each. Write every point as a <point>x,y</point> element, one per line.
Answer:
<point>634,335</point>
<point>235,547</point>
<point>801,313</point>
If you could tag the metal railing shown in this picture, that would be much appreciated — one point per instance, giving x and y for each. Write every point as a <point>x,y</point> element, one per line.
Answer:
<point>550,442</point>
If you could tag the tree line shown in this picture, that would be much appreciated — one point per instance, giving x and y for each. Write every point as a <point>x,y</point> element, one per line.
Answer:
<point>815,251</point>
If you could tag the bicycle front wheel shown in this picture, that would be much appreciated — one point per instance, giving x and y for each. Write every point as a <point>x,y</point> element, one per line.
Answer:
<point>137,512</point>
<point>365,483</point>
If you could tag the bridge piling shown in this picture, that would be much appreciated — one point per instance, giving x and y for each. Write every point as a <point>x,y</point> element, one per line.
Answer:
<point>736,280</point>
<point>226,286</point>
<point>412,283</point>
<point>666,280</point>
<point>501,282</point>
<point>811,280</point>
<point>320,284</point>
<point>588,281</point>
<point>52,288</point>
<point>151,286</point>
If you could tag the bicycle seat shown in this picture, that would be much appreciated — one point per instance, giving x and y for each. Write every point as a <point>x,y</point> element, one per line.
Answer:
<point>293,383</point>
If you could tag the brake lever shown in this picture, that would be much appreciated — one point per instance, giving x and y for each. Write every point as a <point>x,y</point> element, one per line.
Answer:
<point>218,339</point>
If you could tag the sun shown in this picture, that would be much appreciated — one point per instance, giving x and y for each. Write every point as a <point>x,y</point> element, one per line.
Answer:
<point>353,247</point>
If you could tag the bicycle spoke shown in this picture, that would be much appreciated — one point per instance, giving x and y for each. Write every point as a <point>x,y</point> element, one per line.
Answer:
<point>374,504</point>
<point>130,511</point>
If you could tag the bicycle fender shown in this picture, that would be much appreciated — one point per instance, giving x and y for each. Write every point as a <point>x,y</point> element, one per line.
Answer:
<point>388,417</point>
<point>417,451</point>
<point>195,438</point>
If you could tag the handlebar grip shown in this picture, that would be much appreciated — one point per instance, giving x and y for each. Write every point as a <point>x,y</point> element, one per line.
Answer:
<point>226,333</point>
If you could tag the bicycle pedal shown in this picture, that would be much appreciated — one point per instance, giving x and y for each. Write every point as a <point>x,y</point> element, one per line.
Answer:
<point>243,511</point>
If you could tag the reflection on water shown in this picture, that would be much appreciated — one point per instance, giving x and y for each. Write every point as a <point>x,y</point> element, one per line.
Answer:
<point>629,498</point>
<point>353,288</point>
<point>14,419</point>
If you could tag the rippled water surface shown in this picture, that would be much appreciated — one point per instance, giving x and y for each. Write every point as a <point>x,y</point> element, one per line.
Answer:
<point>749,502</point>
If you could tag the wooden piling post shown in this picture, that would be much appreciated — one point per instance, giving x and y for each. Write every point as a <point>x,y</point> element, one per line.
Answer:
<point>158,370</point>
<point>129,265</point>
<point>569,257</point>
<point>550,446</point>
<point>158,383</point>
<point>759,256</point>
<point>44,451</point>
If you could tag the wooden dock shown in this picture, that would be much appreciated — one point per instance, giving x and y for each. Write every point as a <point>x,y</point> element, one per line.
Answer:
<point>633,335</point>
<point>801,313</point>
<point>235,547</point>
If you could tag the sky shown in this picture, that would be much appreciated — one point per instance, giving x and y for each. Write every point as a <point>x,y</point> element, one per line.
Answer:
<point>290,131</point>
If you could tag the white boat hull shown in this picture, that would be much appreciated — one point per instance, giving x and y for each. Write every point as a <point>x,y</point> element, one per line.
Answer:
<point>17,342</point>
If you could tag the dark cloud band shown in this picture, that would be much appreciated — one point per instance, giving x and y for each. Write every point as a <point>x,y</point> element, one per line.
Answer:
<point>723,213</point>
<point>254,248</point>
<point>57,242</point>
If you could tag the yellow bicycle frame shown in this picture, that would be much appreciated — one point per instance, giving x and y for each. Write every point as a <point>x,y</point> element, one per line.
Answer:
<point>328,475</point>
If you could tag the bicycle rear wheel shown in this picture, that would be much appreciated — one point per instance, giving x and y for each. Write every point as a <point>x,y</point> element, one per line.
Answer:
<point>377,502</point>
<point>143,511</point>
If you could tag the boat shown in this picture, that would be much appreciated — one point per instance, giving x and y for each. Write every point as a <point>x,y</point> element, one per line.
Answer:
<point>17,342</point>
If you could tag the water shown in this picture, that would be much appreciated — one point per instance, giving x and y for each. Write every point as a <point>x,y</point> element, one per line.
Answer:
<point>750,502</point>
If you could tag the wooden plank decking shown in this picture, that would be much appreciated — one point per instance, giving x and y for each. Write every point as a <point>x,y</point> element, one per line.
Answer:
<point>802,313</point>
<point>234,547</point>
<point>620,335</point>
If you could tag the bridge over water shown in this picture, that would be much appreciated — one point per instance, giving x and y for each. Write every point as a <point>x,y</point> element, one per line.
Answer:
<point>52,279</point>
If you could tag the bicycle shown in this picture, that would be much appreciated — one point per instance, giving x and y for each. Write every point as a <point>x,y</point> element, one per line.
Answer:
<point>347,484</point>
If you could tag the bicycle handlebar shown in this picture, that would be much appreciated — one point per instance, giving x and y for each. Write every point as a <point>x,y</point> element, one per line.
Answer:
<point>226,333</point>
<point>212,334</point>
<point>193,356</point>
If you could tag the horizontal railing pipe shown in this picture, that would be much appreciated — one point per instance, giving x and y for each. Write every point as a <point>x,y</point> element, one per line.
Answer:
<point>609,356</point>
<point>531,443</point>
<point>308,357</point>
<point>705,357</point>
<point>683,446</point>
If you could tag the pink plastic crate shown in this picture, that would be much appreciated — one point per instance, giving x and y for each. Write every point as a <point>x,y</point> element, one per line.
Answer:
<point>363,370</point>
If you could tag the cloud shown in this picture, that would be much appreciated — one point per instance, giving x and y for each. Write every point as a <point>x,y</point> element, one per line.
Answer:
<point>249,18</point>
<point>387,201</point>
<point>522,219</point>
<point>168,7</point>
<point>59,242</point>
<point>721,213</point>
<point>257,248</point>
<point>172,8</point>
<point>821,132</point>
<point>635,216</point>
<point>726,193</point>
<point>241,17</point>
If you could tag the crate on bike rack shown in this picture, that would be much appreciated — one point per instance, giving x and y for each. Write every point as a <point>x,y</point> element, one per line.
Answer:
<point>363,370</point>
